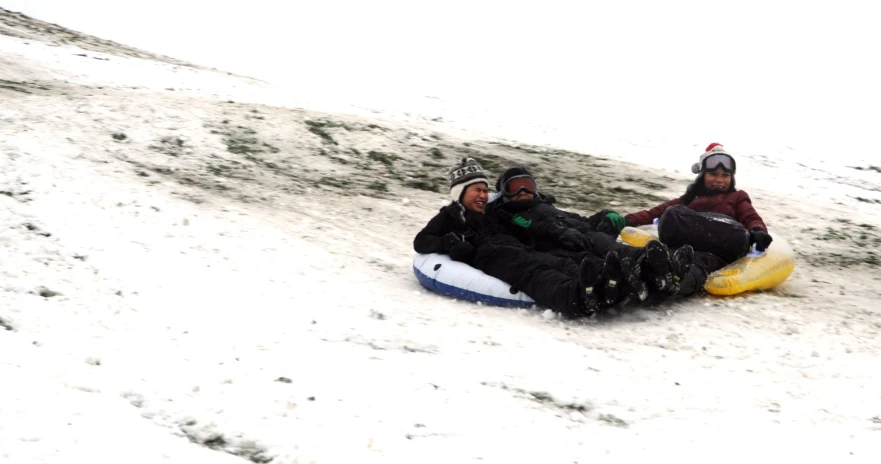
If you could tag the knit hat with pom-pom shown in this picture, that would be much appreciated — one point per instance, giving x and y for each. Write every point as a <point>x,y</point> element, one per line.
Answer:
<point>463,174</point>
<point>712,149</point>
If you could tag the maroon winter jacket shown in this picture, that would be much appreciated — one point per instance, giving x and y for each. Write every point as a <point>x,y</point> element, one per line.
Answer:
<point>735,204</point>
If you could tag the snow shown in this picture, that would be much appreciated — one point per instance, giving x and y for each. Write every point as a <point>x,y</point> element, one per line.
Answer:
<point>289,325</point>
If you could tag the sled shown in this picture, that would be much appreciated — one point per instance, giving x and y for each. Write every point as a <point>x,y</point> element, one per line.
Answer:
<point>755,271</point>
<point>442,275</point>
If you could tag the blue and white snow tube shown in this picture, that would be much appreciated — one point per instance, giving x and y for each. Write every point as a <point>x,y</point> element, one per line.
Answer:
<point>442,275</point>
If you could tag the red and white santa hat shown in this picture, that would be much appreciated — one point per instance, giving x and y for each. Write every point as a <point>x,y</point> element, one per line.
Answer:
<point>712,149</point>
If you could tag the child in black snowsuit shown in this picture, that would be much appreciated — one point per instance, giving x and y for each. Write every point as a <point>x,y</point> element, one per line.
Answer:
<point>525,210</point>
<point>466,234</point>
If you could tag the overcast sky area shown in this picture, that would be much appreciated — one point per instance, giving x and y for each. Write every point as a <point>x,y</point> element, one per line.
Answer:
<point>792,72</point>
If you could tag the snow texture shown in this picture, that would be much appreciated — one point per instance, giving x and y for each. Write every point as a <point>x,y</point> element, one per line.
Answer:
<point>197,267</point>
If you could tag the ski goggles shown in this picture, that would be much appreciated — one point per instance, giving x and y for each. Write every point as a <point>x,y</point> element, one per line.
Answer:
<point>726,162</point>
<point>517,184</point>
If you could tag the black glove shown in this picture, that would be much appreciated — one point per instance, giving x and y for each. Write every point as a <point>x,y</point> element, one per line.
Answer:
<point>447,242</point>
<point>462,252</point>
<point>570,239</point>
<point>760,238</point>
<point>611,224</point>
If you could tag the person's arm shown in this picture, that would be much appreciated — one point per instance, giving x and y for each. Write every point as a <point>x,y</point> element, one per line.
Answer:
<point>553,232</point>
<point>606,221</point>
<point>746,214</point>
<point>647,216</point>
<point>431,238</point>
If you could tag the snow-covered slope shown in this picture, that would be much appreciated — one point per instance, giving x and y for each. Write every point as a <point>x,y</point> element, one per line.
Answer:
<point>193,268</point>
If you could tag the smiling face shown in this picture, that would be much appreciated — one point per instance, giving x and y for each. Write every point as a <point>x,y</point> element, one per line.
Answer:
<point>475,196</point>
<point>718,179</point>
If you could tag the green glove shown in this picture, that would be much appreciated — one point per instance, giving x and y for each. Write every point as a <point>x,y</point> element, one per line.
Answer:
<point>522,221</point>
<point>616,220</point>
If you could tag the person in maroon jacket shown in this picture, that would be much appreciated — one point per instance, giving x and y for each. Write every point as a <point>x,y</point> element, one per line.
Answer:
<point>715,218</point>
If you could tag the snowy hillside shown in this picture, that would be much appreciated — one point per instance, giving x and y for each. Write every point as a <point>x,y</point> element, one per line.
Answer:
<point>197,267</point>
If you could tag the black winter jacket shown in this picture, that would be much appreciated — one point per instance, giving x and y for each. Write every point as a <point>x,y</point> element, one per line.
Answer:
<point>543,217</point>
<point>474,228</point>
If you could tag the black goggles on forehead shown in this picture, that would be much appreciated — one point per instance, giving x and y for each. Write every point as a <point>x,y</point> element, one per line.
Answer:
<point>719,160</point>
<point>517,184</point>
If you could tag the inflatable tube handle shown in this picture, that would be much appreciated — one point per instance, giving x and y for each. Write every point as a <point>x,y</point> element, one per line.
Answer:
<point>753,253</point>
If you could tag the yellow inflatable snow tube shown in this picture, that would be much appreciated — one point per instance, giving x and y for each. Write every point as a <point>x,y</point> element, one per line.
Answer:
<point>762,272</point>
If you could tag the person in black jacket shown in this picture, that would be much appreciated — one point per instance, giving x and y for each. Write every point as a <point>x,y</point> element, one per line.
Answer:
<point>462,231</point>
<point>525,210</point>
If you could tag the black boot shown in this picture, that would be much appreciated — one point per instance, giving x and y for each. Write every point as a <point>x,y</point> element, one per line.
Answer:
<point>688,285</point>
<point>635,287</point>
<point>659,269</point>
<point>683,258</point>
<point>587,280</point>
<point>612,279</point>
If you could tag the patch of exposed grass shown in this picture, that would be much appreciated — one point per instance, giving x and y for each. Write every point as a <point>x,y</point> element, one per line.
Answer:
<point>868,168</point>
<point>334,182</point>
<point>21,86</point>
<point>493,164</point>
<point>384,158</point>
<point>378,186</point>
<point>271,148</point>
<point>317,128</point>
<point>423,184</point>
<point>242,145</point>
<point>612,420</point>
<point>833,234</point>
<point>219,170</point>
<point>646,183</point>
<point>523,148</point>
<point>790,295</point>
<point>844,260</point>
<point>216,441</point>
<point>47,293</point>
<point>6,324</point>
<point>544,398</point>
<point>171,145</point>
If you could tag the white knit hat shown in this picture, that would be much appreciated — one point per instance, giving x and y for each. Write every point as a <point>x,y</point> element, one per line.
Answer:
<point>467,172</point>
<point>712,149</point>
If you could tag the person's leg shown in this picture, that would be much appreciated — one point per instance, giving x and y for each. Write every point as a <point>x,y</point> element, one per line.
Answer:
<point>659,271</point>
<point>628,274</point>
<point>704,264</point>
<point>602,244</point>
<point>706,232</point>
<point>535,276</point>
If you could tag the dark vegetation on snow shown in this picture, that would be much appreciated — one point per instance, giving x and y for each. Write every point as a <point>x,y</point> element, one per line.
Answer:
<point>16,24</point>
<point>260,154</point>
<point>253,153</point>
<point>563,408</point>
<point>219,442</point>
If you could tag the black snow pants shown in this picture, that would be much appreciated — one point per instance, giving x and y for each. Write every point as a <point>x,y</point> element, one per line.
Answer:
<point>551,281</point>
<point>713,233</point>
<point>718,241</point>
<point>602,244</point>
